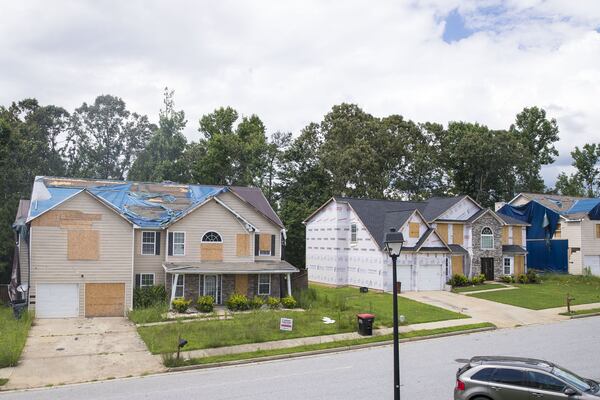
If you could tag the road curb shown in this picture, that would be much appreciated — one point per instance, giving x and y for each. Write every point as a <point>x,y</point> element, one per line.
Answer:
<point>324,351</point>
<point>585,315</point>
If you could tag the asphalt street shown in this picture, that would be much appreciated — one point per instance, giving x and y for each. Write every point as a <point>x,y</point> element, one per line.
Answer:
<point>427,369</point>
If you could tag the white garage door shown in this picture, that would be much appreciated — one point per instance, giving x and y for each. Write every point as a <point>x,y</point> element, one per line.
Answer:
<point>593,263</point>
<point>404,275</point>
<point>57,300</point>
<point>429,277</point>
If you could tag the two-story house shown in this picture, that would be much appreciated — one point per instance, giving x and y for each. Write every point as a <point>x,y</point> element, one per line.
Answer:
<point>84,244</point>
<point>443,236</point>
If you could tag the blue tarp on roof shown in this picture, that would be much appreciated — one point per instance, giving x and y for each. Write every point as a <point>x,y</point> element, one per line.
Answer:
<point>57,195</point>
<point>200,193</point>
<point>542,220</point>
<point>583,206</point>
<point>594,213</point>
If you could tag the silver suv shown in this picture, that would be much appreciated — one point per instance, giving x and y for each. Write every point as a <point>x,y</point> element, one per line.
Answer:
<point>511,378</point>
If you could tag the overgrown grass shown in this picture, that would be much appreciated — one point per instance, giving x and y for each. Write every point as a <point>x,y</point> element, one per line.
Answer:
<point>552,292</point>
<point>172,362</point>
<point>339,304</point>
<point>582,312</point>
<point>155,313</point>
<point>473,288</point>
<point>3,381</point>
<point>13,335</point>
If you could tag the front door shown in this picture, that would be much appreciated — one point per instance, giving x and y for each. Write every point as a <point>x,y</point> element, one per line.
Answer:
<point>487,268</point>
<point>212,287</point>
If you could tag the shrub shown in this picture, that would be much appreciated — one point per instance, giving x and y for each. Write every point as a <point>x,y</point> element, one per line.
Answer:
<point>289,302</point>
<point>181,305</point>
<point>532,277</point>
<point>306,298</point>
<point>149,296</point>
<point>507,279</point>
<point>273,303</point>
<point>256,302</point>
<point>522,278</point>
<point>153,313</point>
<point>476,280</point>
<point>206,304</point>
<point>237,302</point>
<point>458,280</point>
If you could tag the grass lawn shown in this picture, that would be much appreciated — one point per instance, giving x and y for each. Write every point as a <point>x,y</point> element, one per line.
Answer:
<point>474,288</point>
<point>552,292</point>
<point>323,346</point>
<point>13,335</point>
<point>3,381</point>
<point>583,312</point>
<point>339,304</point>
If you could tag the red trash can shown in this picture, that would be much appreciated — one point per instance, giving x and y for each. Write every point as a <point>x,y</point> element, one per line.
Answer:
<point>365,324</point>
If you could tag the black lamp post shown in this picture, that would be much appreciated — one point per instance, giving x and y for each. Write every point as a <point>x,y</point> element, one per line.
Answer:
<point>393,246</point>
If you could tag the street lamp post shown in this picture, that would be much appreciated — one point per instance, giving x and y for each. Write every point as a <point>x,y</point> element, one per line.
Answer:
<point>393,246</point>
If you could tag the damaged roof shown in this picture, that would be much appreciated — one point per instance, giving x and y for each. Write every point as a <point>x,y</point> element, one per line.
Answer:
<point>148,205</point>
<point>568,206</point>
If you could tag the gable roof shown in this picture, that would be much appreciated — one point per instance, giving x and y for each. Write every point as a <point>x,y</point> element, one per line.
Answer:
<point>567,206</point>
<point>148,205</point>
<point>436,206</point>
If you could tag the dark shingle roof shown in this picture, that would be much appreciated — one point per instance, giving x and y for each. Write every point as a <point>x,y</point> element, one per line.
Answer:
<point>513,248</point>
<point>435,206</point>
<point>510,220</point>
<point>257,199</point>
<point>458,249</point>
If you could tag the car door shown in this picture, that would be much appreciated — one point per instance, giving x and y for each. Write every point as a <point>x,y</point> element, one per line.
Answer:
<point>508,384</point>
<point>545,386</point>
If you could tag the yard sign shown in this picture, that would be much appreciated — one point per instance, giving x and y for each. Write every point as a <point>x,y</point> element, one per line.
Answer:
<point>286,324</point>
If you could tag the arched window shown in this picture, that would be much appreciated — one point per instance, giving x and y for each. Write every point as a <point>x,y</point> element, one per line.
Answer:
<point>487,238</point>
<point>212,237</point>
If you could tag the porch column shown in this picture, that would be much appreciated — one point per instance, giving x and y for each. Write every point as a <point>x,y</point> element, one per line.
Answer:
<point>173,288</point>
<point>289,284</point>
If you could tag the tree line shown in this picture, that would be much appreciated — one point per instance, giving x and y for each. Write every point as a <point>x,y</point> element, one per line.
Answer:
<point>349,152</point>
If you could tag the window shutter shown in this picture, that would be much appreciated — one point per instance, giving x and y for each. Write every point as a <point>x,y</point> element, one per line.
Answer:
<point>157,245</point>
<point>256,244</point>
<point>272,245</point>
<point>170,252</point>
<point>138,280</point>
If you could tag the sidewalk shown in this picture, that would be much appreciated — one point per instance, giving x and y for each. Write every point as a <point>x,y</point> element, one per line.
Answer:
<point>558,310</point>
<point>281,344</point>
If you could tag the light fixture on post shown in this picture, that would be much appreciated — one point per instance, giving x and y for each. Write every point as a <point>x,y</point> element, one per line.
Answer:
<point>393,246</point>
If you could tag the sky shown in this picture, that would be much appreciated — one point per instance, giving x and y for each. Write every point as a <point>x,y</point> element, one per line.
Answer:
<point>290,62</point>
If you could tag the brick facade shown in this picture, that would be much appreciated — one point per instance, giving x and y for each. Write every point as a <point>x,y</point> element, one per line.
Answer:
<point>478,253</point>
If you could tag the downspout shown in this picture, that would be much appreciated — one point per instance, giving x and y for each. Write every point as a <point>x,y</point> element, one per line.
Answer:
<point>29,236</point>
<point>132,265</point>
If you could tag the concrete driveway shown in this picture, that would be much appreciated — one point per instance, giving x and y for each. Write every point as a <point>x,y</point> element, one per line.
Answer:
<point>60,351</point>
<point>501,315</point>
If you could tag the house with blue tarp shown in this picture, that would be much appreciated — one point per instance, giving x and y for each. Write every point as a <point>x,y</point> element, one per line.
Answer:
<point>564,231</point>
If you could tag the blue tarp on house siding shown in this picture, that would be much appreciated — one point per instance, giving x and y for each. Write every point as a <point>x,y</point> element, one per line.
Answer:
<point>550,256</point>
<point>542,220</point>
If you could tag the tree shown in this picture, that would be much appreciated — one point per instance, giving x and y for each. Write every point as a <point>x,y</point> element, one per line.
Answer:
<point>229,154</point>
<point>162,158</point>
<point>276,148</point>
<point>105,138</point>
<point>537,134</point>
<point>569,185</point>
<point>585,160</point>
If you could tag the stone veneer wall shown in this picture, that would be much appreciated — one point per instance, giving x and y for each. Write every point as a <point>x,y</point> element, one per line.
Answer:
<point>496,253</point>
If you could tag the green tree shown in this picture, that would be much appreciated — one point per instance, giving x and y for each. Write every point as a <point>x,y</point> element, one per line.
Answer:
<point>276,148</point>
<point>105,138</point>
<point>569,185</point>
<point>537,134</point>
<point>162,158</point>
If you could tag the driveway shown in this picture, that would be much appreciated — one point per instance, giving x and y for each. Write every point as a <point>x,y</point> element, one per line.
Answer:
<point>60,351</point>
<point>501,315</point>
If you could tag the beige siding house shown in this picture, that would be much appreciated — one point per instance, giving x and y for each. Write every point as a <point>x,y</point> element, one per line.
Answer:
<point>86,244</point>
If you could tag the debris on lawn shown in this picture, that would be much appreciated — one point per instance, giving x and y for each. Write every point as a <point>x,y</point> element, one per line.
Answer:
<point>327,320</point>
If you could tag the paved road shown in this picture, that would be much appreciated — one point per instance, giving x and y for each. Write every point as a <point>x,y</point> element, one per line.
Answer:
<point>427,370</point>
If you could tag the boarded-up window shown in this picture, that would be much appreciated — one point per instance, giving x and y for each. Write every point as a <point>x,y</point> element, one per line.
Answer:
<point>457,233</point>
<point>517,235</point>
<point>242,241</point>
<point>457,265</point>
<point>211,251</point>
<point>505,235</point>
<point>557,233</point>
<point>413,229</point>
<point>519,265</point>
<point>598,231</point>
<point>83,245</point>
<point>442,230</point>
<point>265,244</point>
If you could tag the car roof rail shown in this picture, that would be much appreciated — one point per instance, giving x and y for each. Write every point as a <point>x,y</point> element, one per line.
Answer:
<point>477,360</point>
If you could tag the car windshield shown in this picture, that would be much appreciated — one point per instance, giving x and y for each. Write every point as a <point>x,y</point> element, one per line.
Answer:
<point>572,379</point>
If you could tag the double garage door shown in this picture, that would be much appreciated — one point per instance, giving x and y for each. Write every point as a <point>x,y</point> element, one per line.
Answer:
<point>61,300</point>
<point>427,277</point>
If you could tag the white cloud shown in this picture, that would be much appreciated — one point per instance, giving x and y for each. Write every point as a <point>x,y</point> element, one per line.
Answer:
<point>290,62</point>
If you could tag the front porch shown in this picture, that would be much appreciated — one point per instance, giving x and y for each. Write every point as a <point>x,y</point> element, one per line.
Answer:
<point>220,280</point>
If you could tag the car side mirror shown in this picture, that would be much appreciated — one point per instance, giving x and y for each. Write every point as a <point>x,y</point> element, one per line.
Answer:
<point>570,391</point>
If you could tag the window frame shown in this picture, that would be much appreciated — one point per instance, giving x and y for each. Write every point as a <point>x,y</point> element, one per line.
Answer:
<point>486,235</point>
<point>212,231</point>
<point>530,384</point>
<point>153,244</point>
<point>177,285</point>
<point>142,285</point>
<point>353,233</point>
<point>184,243</point>
<point>259,283</point>
<point>511,265</point>
<point>218,287</point>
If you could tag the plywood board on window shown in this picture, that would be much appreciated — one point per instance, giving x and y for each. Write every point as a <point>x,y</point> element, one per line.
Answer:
<point>457,265</point>
<point>265,242</point>
<point>442,230</point>
<point>413,229</point>
<point>519,265</point>
<point>66,219</point>
<point>458,233</point>
<point>211,251</point>
<point>241,284</point>
<point>505,235</point>
<point>83,244</point>
<point>517,235</point>
<point>242,248</point>
<point>104,299</point>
